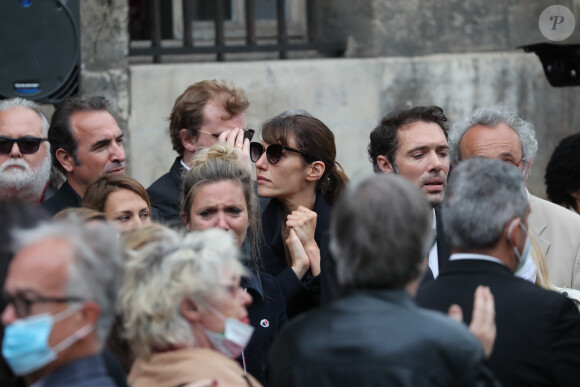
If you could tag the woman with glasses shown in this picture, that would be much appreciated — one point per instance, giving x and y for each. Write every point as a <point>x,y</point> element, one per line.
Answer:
<point>296,168</point>
<point>184,312</point>
<point>218,192</point>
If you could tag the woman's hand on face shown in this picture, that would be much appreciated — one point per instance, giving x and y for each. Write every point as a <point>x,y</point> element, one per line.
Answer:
<point>300,260</point>
<point>235,137</point>
<point>303,222</point>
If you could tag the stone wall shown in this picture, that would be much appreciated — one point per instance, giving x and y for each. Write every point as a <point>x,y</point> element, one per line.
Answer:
<point>350,95</point>
<point>376,28</point>
<point>104,48</point>
<point>453,53</point>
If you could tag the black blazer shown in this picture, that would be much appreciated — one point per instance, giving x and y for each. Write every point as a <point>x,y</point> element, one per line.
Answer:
<point>443,252</point>
<point>267,314</point>
<point>538,331</point>
<point>65,197</point>
<point>376,338</point>
<point>165,196</point>
<point>304,294</point>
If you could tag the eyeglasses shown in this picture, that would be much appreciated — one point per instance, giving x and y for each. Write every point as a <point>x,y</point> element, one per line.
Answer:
<point>273,152</point>
<point>27,145</point>
<point>23,302</point>
<point>248,133</point>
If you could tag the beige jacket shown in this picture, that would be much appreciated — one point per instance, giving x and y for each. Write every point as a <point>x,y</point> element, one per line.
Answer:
<point>177,368</point>
<point>557,232</point>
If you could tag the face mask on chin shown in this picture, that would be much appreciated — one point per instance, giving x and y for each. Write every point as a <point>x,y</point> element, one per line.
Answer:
<point>525,255</point>
<point>235,337</point>
<point>25,346</point>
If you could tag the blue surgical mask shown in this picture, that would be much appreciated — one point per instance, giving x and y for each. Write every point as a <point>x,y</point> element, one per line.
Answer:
<point>25,345</point>
<point>525,255</point>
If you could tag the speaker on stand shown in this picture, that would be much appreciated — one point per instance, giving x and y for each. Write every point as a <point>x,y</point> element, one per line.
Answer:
<point>40,53</point>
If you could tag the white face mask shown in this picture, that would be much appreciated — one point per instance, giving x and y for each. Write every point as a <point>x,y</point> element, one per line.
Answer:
<point>235,337</point>
<point>525,255</point>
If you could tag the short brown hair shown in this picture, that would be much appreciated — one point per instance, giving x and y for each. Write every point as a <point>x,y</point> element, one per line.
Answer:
<point>187,112</point>
<point>98,191</point>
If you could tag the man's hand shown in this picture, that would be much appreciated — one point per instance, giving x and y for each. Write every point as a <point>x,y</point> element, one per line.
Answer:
<point>482,319</point>
<point>235,137</point>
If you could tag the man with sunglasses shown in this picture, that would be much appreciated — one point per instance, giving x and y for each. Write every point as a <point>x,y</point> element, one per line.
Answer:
<point>85,142</point>
<point>205,113</point>
<point>24,151</point>
<point>60,295</point>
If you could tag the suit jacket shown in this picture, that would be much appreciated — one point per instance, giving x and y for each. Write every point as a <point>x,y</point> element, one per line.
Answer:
<point>538,331</point>
<point>84,372</point>
<point>557,232</point>
<point>65,197</point>
<point>376,338</point>
<point>165,195</point>
<point>443,252</point>
<point>300,295</point>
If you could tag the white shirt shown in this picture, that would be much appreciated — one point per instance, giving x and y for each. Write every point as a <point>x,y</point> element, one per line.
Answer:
<point>185,165</point>
<point>460,256</point>
<point>433,256</point>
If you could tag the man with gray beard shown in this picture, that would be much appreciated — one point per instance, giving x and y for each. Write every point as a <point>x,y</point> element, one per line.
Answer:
<point>24,151</point>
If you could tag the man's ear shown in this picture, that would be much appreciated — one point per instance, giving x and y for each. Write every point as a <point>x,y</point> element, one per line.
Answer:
<point>188,141</point>
<point>189,311</point>
<point>317,169</point>
<point>512,233</point>
<point>90,313</point>
<point>527,166</point>
<point>65,159</point>
<point>384,164</point>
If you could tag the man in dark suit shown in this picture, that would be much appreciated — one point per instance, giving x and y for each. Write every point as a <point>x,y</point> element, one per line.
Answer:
<point>486,218</point>
<point>60,303</point>
<point>85,142</point>
<point>375,334</point>
<point>412,142</point>
<point>205,113</point>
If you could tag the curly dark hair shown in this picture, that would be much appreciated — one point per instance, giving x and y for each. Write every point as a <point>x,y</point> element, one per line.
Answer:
<point>563,172</point>
<point>384,139</point>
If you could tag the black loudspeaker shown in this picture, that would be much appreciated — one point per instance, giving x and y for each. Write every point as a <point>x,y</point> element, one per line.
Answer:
<point>561,62</point>
<point>40,53</point>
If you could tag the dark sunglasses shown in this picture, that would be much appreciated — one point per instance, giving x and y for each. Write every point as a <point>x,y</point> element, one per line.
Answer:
<point>27,145</point>
<point>248,133</point>
<point>273,152</point>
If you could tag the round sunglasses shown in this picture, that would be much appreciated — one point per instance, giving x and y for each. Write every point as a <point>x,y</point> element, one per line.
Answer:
<point>27,145</point>
<point>273,152</point>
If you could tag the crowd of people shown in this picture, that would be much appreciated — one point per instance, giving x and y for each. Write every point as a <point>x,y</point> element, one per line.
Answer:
<point>255,261</point>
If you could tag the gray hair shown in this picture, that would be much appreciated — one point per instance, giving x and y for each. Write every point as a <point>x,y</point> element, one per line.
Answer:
<point>483,195</point>
<point>12,103</point>
<point>491,116</point>
<point>96,270</point>
<point>381,232</point>
<point>161,275</point>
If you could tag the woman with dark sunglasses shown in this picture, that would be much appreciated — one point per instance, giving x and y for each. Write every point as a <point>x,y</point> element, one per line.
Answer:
<point>297,170</point>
